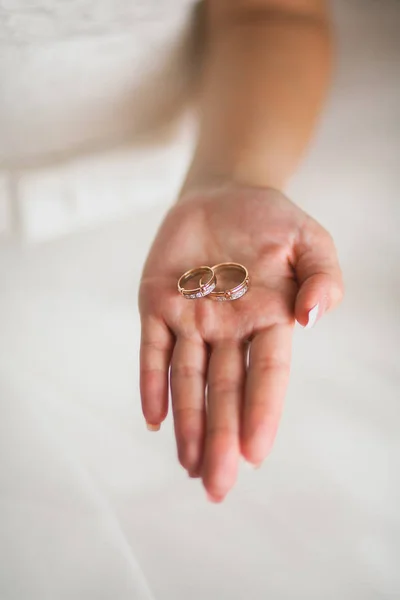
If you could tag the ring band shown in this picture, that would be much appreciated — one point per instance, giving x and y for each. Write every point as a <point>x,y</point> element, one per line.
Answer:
<point>236,292</point>
<point>204,288</point>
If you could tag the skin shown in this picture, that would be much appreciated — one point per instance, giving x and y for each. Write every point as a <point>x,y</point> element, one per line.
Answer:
<point>227,364</point>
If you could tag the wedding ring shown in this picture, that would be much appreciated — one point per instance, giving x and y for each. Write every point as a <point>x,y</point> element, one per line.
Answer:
<point>207,282</point>
<point>236,292</point>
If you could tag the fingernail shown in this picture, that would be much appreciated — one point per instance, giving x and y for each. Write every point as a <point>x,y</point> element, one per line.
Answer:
<point>312,317</point>
<point>194,473</point>
<point>151,427</point>
<point>249,466</point>
<point>252,466</point>
<point>214,499</point>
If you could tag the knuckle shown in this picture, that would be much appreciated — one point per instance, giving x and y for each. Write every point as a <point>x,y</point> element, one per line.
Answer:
<point>185,371</point>
<point>223,386</point>
<point>221,431</point>
<point>268,364</point>
<point>153,345</point>
<point>187,413</point>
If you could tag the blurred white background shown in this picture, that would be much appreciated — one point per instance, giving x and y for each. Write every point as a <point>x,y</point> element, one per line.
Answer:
<point>92,506</point>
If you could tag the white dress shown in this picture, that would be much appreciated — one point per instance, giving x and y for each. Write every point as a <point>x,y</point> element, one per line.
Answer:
<point>79,74</point>
<point>84,78</point>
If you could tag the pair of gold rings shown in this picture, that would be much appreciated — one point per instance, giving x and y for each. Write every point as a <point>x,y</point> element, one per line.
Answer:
<point>207,280</point>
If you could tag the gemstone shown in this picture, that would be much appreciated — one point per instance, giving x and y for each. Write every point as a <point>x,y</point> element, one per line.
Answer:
<point>207,289</point>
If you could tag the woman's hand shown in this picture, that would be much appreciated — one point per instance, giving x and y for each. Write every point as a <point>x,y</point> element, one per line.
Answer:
<point>230,361</point>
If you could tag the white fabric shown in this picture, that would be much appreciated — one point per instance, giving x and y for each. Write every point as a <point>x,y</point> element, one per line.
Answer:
<point>81,75</point>
<point>94,507</point>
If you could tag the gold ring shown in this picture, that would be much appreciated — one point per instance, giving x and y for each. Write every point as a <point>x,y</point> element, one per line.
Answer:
<point>204,288</point>
<point>236,292</point>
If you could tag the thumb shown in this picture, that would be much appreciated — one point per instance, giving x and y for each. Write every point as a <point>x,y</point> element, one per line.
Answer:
<point>318,275</point>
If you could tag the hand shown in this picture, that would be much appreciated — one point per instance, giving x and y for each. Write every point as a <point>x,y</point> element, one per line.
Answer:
<point>230,360</point>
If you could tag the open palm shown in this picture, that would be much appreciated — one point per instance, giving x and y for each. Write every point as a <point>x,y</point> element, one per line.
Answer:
<point>229,361</point>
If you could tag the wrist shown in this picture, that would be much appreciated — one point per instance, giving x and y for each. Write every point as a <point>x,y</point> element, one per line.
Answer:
<point>207,175</point>
<point>216,190</point>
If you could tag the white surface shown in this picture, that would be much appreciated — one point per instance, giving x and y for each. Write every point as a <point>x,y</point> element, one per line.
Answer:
<point>80,75</point>
<point>5,205</point>
<point>87,87</point>
<point>83,192</point>
<point>92,94</point>
<point>87,493</point>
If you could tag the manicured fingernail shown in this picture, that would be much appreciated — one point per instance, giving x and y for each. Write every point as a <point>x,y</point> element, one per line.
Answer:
<point>194,473</point>
<point>251,466</point>
<point>312,317</point>
<point>152,427</point>
<point>214,499</point>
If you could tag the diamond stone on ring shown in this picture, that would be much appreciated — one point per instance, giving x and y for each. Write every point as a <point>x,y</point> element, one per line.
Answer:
<point>236,292</point>
<point>207,282</point>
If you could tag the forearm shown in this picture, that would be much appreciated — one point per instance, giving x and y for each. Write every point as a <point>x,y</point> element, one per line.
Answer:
<point>265,77</point>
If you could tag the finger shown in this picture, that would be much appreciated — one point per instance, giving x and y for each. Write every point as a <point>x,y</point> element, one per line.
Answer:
<point>155,355</point>
<point>226,376</point>
<point>188,382</point>
<point>319,276</point>
<point>267,379</point>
